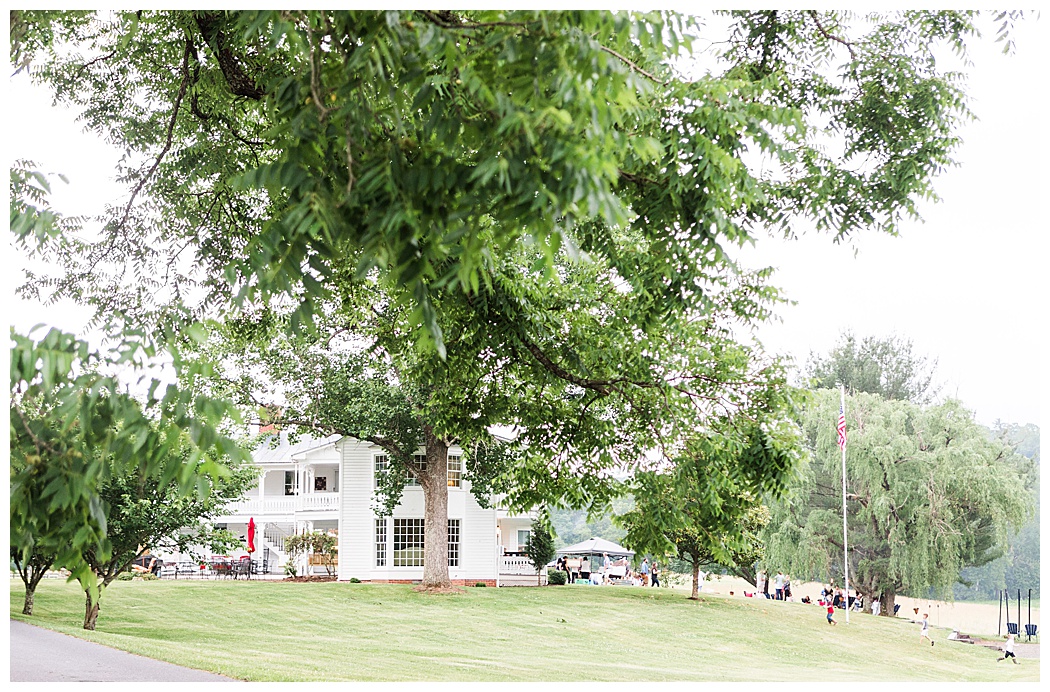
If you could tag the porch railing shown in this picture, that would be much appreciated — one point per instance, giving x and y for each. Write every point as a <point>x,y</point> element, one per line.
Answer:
<point>514,564</point>
<point>285,505</point>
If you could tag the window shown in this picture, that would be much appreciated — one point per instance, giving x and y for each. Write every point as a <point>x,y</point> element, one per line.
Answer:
<point>381,542</point>
<point>408,542</point>
<point>289,482</point>
<point>409,537</point>
<point>420,462</point>
<point>382,465</point>
<point>453,542</point>
<point>523,538</point>
<point>455,471</point>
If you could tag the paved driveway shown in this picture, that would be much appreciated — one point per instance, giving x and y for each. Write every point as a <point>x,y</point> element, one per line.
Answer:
<point>40,655</point>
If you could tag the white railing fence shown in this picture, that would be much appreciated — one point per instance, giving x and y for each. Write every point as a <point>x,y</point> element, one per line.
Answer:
<point>285,505</point>
<point>514,564</point>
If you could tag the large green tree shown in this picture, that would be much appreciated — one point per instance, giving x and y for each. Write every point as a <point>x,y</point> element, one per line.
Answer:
<point>587,387</point>
<point>270,152</point>
<point>928,493</point>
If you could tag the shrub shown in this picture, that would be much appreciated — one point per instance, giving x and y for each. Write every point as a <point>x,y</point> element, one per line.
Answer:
<point>555,577</point>
<point>355,580</point>
<point>125,576</point>
<point>148,576</point>
<point>481,583</point>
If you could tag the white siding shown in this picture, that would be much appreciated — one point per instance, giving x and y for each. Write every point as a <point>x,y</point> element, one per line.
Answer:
<point>477,557</point>
<point>478,543</point>
<point>355,516</point>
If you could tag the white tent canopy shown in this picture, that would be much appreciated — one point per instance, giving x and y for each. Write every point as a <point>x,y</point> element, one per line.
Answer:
<point>596,546</point>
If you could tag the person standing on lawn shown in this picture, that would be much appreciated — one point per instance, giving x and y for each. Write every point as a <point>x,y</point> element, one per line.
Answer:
<point>1008,650</point>
<point>831,615</point>
<point>925,633</point>
<point>778,584</point>
<point>656,575</point>
<point>645,572</point>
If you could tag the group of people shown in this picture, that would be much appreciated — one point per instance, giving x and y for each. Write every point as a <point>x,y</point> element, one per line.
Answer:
<point>646,575</point>
<point>781,584</point>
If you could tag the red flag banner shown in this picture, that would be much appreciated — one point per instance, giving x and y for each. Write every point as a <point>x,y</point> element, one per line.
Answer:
<point>842,429</point>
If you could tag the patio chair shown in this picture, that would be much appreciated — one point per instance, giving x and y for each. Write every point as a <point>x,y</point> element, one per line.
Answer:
<point>896,608</point>
<point>1030,630</point>
<point>1011,627</point>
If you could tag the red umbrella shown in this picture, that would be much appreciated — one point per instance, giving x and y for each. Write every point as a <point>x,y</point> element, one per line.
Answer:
<point>251,535</point>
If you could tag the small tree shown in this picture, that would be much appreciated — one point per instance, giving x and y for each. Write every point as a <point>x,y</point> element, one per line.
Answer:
<point>152,514</point>
<point>540,545</point>
<point>320,543</point>
<point>31,569</point>
<point>704,510</point>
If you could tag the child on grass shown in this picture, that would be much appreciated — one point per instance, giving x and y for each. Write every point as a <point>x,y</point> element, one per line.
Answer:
<point>1008,650</point>
<point>925,633</point>
<point>831,614</point>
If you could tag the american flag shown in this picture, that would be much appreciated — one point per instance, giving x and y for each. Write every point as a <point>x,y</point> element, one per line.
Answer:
<point>842,428</point>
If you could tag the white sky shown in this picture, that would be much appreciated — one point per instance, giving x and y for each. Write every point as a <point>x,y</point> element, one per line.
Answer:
<point>967,286</point>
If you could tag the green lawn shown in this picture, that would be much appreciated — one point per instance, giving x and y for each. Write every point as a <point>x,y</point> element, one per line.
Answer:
<point>274,631</point>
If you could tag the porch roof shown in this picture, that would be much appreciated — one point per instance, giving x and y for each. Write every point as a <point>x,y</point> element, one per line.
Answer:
<point>266,452</point>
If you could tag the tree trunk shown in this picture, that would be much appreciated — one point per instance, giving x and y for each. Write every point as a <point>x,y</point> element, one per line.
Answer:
<point>31,573</point>
<point>91,611</point>
<point>434,482</point>
<point>696,582</point>
<point>888,598</point>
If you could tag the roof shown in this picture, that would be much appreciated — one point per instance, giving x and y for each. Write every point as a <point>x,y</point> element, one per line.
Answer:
<point>595,546</point>
<point>285,450</point>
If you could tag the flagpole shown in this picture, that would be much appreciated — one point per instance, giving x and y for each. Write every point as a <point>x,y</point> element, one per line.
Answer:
<point>845,546</point>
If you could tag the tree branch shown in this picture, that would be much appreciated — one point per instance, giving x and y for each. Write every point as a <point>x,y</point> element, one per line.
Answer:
<point>831,37</point>
<point>633,66</point>
<point>168,137</point>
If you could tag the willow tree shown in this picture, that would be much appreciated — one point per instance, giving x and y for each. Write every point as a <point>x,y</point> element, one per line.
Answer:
<point>929,492</point>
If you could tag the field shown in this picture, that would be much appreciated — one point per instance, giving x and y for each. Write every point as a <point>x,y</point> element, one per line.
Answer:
<point>274,631</point>
<point>971,617</point>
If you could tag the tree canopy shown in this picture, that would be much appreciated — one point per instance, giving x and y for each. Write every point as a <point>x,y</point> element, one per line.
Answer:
<point>271,152</point>
<point>883,366</point>
<point>928,491</point>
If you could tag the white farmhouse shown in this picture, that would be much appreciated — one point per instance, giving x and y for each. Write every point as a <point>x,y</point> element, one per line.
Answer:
<point>328,484</point>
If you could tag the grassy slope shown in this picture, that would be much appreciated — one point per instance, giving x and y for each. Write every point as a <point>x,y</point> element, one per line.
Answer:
<point>312,632</point>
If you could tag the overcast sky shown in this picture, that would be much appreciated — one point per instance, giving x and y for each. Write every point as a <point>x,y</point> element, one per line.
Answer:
<point>967,285</point>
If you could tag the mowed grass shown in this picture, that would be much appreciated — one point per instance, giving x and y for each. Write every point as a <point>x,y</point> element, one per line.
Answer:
<point>274,631</point>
